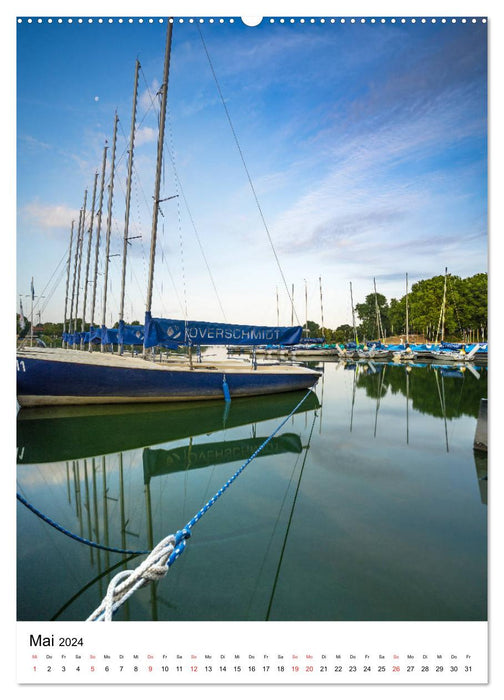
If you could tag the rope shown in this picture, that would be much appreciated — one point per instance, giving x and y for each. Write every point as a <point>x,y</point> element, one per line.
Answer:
<point>171,153</point>
<point>152,569</point>
<point>66,532</point>
<point>89,585</point>
<point>254,193</point>
<point>289,522</point>
<point>159,561</point>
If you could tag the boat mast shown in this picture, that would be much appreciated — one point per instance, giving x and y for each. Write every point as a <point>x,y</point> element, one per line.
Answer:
<point>157,187</point>
<point>86,278</point>
<point>407,311</point>
<point>109,223</point>
<point>444,305</point>
<point>98,231</point>
<point>321,307</point>
<point>278,308</point>
<point>128,196</point>
<point>68,282</point>
<point>306,307</point>
<point>292,306</point>
<point>441,323</point>
<point>80,246</point>
<point>32,295</point>
<point>378,321</point>
<point>71,325</point>
<point>353,314</point>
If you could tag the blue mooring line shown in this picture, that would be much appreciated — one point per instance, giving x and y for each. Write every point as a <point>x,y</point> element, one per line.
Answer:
<point>183,534</point>
<point>54,524</point>
<point>228,483</point>
<point>225,389</point>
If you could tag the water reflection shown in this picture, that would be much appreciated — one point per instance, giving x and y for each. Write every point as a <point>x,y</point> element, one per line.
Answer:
<point>388,476</point>
<point>53,434</point>
<point>481,464</point>
<point>437,390</point>
<point>433,389</point>
<point>155,460</point>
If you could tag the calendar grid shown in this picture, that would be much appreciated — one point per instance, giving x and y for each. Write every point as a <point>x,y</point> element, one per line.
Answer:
<point>304,653</point>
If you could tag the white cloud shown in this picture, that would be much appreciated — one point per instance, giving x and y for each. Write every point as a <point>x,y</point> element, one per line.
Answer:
<point>50,216</point>
<point>33,142</point>
<point>145,135</point>
<point>147,99</point>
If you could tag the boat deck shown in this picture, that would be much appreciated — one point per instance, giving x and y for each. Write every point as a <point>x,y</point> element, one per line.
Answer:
<point>168,363</point>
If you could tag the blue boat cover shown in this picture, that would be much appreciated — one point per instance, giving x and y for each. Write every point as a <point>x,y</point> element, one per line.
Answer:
<point>73,338</point>
<point>108,336</point>
<point>312,341</point>
<point>130,335</point>
<point>93,335</point>
<point>448,372</point>
<point>452,346</point>
<point>125,335</point>
<point>173,334</point>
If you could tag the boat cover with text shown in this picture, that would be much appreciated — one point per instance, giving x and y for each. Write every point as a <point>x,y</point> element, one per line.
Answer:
<point>173,333</point>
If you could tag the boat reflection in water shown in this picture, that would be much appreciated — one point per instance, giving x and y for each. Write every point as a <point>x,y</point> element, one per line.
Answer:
<point>161,461</point>
<point>377,475</point>
<point>54,434</point>
<point>125,477</point>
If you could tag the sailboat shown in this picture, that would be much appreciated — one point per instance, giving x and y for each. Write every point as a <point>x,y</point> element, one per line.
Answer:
<point>53,376</point>
<point>405,353</point>
<point>458,355</point>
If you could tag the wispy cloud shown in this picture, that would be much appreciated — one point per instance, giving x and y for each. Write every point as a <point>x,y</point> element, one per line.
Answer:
<point>33,143</point>
<point>49,217</point>
<point>145,134</point>
<point>366,146</point>
<point>147,99</point>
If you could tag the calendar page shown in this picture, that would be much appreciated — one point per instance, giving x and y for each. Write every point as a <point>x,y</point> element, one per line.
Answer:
<point>252,346</point>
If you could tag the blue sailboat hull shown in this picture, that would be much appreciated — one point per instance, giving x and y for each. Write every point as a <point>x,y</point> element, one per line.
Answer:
<point>48,382</point>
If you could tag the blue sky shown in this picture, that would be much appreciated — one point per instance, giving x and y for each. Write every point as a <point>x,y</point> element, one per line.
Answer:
<point>365,143</point>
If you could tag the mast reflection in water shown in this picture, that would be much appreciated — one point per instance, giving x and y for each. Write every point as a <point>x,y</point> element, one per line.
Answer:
<point>369,504</point>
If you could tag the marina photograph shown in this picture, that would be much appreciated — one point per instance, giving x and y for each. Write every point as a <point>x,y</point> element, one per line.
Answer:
<point>252,319</point>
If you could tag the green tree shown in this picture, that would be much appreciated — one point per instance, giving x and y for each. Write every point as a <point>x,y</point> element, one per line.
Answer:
<point>343,334</point>
<point>22,332</point>
<point>367,314</point>
<point>314,330</point>
<point>397,316</point>
<point>425,304</point>
<point>465,313</point>
<point>473,304</point>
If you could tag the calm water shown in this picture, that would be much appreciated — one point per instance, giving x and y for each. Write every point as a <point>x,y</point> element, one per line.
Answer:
<point>370,504</point>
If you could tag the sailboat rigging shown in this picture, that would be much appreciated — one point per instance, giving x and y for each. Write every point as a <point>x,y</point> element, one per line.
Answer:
<point>58,376</point>
<point>128,199</point>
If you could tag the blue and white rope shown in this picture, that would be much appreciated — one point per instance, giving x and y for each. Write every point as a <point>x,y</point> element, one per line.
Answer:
<point>159,561</point>
<point>78,538</point>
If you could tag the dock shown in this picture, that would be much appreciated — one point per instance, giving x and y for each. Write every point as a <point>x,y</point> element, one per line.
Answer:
<point>481,434</point>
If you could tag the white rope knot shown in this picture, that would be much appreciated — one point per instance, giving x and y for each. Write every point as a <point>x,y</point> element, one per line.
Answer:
<point>124,584</point>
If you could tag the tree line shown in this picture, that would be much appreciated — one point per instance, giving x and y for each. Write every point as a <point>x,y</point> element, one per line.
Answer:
<point>465,316</point>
